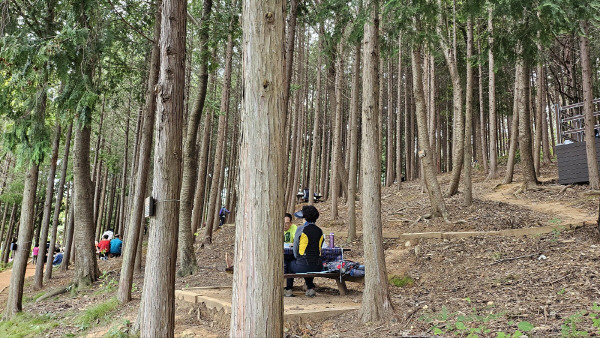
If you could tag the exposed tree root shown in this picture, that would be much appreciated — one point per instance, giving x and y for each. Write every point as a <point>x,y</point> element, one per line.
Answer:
<point>592,193</point>
<point>56,292</point>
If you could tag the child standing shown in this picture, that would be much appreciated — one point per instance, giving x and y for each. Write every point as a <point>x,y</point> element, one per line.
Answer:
<point>104,247</point>
<point>36,250</point>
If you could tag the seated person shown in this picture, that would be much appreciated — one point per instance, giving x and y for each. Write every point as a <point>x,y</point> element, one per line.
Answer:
<point>58,258</point>
<point>110,234</point>
<point>115,246</point>
<point>307,250</point>
<point>289,229</point>
<point>104,247</point>
<point>306,193</point>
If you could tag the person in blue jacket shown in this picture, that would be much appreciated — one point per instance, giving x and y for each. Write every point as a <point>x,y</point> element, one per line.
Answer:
<point>115,246</point>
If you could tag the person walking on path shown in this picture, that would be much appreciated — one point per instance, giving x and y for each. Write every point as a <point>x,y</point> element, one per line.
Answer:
<point>222,214</point>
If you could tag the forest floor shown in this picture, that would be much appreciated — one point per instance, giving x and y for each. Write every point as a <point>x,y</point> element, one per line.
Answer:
<point>483,284</point>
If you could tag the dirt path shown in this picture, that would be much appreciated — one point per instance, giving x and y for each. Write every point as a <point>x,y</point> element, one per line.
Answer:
<point>566,214</point>
<point>5,276</point>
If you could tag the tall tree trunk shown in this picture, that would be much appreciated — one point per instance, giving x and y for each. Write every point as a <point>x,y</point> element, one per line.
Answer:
<point>187,258</point>
<point>59,198</point>
<point>14,303</point>
<point>468,194</point>
<point>545,139</point>
<point>86,265</point>
<point>98,161</point>
<point>376,303</point>
<point>3,228</point>
<point>257,304</point>
<point>198,210</point>
<point>482,124</point>
<point>9,234</point>
<point>389,162</point>
<point>458,145</point>
<point>68,239</point>
<point>312,186</point>
<point>39,268</point>
<point>215,200</point>
<point>438,206</point>
<point>99,221</point>
<point>399,129</point>
<point>135,219</point>
<point>514,127</point>
<point>158,299</point>
<point>337,128</point>
<point>120,224</point>
<point>408,136</point>
<point>525,145</point>
<point>539,101</point>
<point>353,174</point>
<point>588,112</point>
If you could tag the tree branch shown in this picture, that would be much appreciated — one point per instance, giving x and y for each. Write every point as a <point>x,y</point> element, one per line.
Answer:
<point>128,24</point>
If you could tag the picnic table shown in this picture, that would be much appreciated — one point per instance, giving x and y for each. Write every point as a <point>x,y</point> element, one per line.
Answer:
<point>327,255</point>
<point>300,197</point>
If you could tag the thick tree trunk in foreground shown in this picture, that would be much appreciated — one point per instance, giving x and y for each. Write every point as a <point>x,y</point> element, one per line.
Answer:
<point>158,299</point>
<point>588,112</point>
<point>59,198</point>
<point>376,304</point>
<point>14,303</point>
<point>39,268</point>
<point>135,220</point>
<point>187,257</point>
<point>86,265</point>
<point>257,304</point>
<point>525,145</point>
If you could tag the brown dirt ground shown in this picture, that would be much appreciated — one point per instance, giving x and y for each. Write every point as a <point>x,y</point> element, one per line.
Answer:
<point>480,285</point>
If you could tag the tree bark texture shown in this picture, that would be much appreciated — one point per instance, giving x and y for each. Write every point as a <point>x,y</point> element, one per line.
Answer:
<point>215,200</point>
<point>514,127</point>
<point>14,303</point>
<point>312,186</point>
<point>376,304</point>
<point>59,197</point>
<point>257,304</point>
<point>468,193</point>
<point>525,144</point>
<point>39,268</point>
<point>438,206</point>
<point>135,220</point>
<point>588,112</point>
<point>337,128</point>
<point>187,258</point>
<point>158,299</point>
<point>353,167</point>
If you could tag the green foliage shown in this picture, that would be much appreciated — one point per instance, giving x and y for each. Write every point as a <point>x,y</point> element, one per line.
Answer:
<point>401,281</point>
<point>99,312</point>
<point>28,325</point>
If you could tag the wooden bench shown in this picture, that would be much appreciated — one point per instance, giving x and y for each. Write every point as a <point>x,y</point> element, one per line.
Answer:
<point>341,284</point>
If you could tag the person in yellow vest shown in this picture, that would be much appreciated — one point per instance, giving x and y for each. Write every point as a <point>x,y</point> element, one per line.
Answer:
<point>289,229</point>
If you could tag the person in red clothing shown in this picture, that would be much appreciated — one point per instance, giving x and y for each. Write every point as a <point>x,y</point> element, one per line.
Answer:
<point>104,247</point>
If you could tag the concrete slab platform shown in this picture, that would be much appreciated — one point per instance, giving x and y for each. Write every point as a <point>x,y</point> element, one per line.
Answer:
<point>217,300</point>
